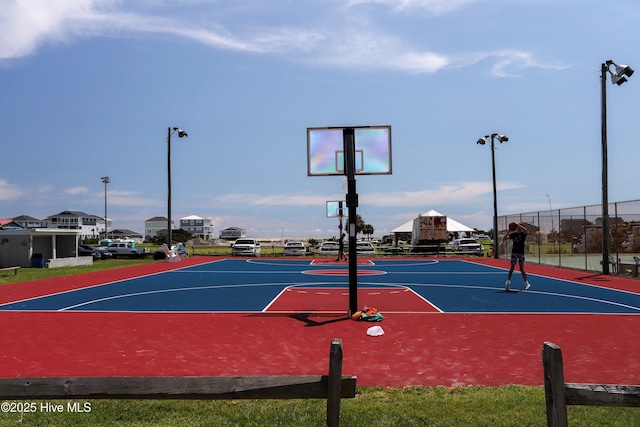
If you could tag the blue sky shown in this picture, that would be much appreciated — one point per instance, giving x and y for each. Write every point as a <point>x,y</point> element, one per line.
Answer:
<point>89,88</point>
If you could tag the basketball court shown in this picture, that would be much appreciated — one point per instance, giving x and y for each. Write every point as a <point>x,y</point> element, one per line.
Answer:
<point>447,322</point>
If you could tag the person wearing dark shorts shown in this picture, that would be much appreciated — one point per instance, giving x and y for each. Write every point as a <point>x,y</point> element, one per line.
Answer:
<point>518,234</point>
<point>341,254</point>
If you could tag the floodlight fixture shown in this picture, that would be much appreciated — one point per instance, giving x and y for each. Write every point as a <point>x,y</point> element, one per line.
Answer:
<point>621,73</point>
<point>618,80</point>
<point>624,70</point>
<point>501,138</point>
<point>181,133</point>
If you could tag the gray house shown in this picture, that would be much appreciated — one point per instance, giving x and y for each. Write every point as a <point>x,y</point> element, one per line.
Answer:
<point>232,233</point>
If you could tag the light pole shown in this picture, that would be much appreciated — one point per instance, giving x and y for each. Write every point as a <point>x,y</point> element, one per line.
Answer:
<point>106,180</point>
<point>551,213</point>
<point>170,132</point>
<point>482,141</point>
<point>617,77</point>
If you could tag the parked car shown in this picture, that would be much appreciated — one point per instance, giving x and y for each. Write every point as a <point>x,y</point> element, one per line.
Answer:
<point>104,253</point>
<point>365,248</point>
<point>328,248</point>
<point>467,246</point>
<point>294,248</point>
<point>245,246</point>
<point>182,252</point>
<point>88,250</point>
<point>124,248</point>
<point>483,237</point>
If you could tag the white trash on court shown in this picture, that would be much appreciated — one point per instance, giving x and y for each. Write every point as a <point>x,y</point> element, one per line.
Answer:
<point>375,331</point>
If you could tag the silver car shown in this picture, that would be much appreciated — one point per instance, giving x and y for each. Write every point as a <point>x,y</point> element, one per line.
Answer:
<point>294,248</point>
<point>365,248</point>
<point>467,246</point>
<point>246,247</point>
<point>328,248</point>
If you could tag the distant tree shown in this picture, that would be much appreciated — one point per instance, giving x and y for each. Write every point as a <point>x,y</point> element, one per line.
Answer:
<point>368,230</point>
<point>178,235</point>
<point>359,224</point>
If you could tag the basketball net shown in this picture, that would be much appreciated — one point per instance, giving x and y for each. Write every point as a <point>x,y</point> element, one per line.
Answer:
<point>345,182</point>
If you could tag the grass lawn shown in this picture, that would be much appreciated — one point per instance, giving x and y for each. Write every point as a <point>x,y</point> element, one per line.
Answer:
<point>373,406</point>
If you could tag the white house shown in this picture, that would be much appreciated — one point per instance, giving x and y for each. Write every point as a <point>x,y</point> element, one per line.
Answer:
<point>197,226</point>
<point>89,226</point>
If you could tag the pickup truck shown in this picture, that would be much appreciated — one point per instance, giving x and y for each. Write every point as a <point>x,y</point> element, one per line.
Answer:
<point>126,249</point>
<point>467,246</point>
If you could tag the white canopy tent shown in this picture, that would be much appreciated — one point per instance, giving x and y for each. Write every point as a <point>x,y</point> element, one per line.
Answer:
<point>453,226</point>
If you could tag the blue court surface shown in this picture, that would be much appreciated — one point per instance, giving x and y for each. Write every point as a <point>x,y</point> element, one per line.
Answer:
<point>242,285</point>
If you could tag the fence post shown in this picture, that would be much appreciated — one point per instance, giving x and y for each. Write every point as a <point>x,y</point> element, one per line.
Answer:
<point>554,385</point>
<point>334,391</point>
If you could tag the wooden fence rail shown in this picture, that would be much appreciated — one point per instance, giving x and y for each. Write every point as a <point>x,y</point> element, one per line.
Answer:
<point>333,387</point>
<point>559,394</point>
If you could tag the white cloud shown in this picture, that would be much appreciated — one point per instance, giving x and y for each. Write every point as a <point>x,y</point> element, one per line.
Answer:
<point>275,199</point>
<point>360,43</point>
<point>9,191</point>
<point>506,63</point>
<point>130,198</point>
<point>445,195</point>
<point>26,25</point>
<point>435,7</point>
<point>77,190</point>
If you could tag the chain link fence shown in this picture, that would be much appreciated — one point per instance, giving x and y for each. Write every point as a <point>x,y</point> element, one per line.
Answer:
<point>572,237</point>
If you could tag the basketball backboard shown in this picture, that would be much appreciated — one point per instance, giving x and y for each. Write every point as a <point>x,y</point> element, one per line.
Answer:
<point>325,150</point>
<point>336,208</point>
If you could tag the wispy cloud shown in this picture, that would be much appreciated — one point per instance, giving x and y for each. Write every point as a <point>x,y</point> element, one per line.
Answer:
<point>445,195</point>
<point>363,44</point>
<point>9,191</point>
<point>506,63</point>
<point>435,7</point>
<point>74,191</point>
<point>276,199</point>
<point>130,198</point>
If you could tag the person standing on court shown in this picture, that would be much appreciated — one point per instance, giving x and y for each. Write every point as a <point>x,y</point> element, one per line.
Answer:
<point>341,254</point>
<point>518,234</point>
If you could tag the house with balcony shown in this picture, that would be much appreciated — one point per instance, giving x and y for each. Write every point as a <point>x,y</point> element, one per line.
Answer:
<point>198,226</point>
<point>233,233</point>
<point>27,221</point>
<point>88,226</point>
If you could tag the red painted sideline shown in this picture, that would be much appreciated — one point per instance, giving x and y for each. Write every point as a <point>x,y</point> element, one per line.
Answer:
<point>429,349</point>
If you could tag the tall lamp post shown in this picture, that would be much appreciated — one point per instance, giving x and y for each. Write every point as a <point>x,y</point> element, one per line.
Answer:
<point>618,77</point>
<point>106,180</point>
<point>181,134</point>
<point>551,213</point>
<point>482,141</point>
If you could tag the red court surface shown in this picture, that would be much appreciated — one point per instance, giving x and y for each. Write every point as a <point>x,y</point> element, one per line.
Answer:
<point>418,348</point>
